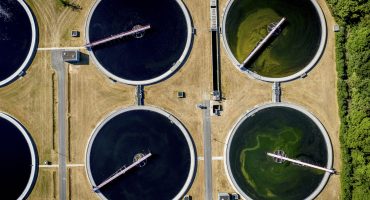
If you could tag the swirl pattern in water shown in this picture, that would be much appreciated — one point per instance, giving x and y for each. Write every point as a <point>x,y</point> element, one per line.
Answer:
<point>269,130</point>
<point>15,37</point>
<point>247,23</point>
<point>147,57</point>
<point>130,133</point>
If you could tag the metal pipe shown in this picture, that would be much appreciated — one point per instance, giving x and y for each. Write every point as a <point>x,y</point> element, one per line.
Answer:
<point>301,163</point>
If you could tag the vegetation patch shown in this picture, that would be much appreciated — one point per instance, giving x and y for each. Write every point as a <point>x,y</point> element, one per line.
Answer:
<point>283,55</point>
<point>270,130</point>
<point>353,68</point>
<point>67,3</point>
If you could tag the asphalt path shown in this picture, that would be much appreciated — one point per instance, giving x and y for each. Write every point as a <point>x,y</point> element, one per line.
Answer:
<point>59,67</point>
<point>207,150</point>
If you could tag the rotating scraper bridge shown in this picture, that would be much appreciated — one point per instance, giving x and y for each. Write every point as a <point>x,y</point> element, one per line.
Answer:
<point>122,171</point>
<point>263,42</point>
<point>136,30</point>
<point>298,162</point>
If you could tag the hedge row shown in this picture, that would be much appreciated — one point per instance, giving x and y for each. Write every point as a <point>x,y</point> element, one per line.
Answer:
<point>353,69</point>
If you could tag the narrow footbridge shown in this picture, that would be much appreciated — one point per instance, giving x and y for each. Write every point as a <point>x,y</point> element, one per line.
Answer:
<point>121,171</point>
<point>137,29</point>
<point>282,157</point>
<point>260,44</point>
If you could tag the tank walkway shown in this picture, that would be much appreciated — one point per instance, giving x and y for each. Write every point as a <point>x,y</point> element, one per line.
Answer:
<point>121,171</point>
<point>280,157</point>
<point>263,42</point>
<point>140,95</point>
<point>60,69</point>
<point>135,30</point>
<point>276,92</point>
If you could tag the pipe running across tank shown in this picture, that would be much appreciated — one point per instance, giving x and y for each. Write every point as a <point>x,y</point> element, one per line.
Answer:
<point>138,29</point>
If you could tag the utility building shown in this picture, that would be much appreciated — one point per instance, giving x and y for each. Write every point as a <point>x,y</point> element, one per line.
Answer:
<point>71,56</point>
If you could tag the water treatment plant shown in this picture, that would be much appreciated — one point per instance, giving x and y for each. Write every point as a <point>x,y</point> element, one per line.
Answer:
<point>127,99</point>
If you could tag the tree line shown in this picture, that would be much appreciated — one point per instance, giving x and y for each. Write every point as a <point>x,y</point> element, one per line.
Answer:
<point>353,69</point>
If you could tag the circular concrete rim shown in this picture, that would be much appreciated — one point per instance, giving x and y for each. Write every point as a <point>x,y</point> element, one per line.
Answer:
<point>153,109</point>
<point>165,75</point>
<point>32,46</point>
<point>300,73</point>
<point>32,151</point>
<point>329,164</point>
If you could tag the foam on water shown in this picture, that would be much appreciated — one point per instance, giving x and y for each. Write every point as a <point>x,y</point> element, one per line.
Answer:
<point>5,14</point>
<point>17,39</point>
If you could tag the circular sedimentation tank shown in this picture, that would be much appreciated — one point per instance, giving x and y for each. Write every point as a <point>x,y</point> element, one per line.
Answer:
<point>286,56</point>
<point>17,39</point>
<point>286,130</point>
<point>140,59</point>
<point>127,135</point>
<point>19,159</point>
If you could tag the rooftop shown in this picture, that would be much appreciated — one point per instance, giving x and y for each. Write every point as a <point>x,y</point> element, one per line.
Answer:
<point>71,55</point>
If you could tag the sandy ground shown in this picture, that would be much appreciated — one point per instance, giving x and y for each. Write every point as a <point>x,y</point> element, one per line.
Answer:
<point>92,96</point>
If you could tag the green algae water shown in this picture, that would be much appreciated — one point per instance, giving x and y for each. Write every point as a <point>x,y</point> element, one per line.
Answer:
<point>268,130</point>
<point>287,53</point>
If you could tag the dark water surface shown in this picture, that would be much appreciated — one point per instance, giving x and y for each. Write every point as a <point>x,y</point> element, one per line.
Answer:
<point>136,131</point>
<point>15,37</point>
<point>16,162</point>
<point>289,52</point>
<point>144,58</point>
<point>271,129</point>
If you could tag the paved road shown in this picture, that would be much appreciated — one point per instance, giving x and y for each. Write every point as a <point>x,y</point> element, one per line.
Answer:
<point>58,65</point>
<point>207,150</point>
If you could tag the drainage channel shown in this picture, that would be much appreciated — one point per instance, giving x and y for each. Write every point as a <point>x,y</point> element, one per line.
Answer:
<point>215,31</point>
<point>276,92</point>
<point>140,95</point>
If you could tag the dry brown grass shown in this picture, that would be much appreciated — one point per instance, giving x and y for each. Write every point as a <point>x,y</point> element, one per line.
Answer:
<point>47,185</point>
<point>56,22</point>
<point>79,185</point>
<point>92,97</point>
